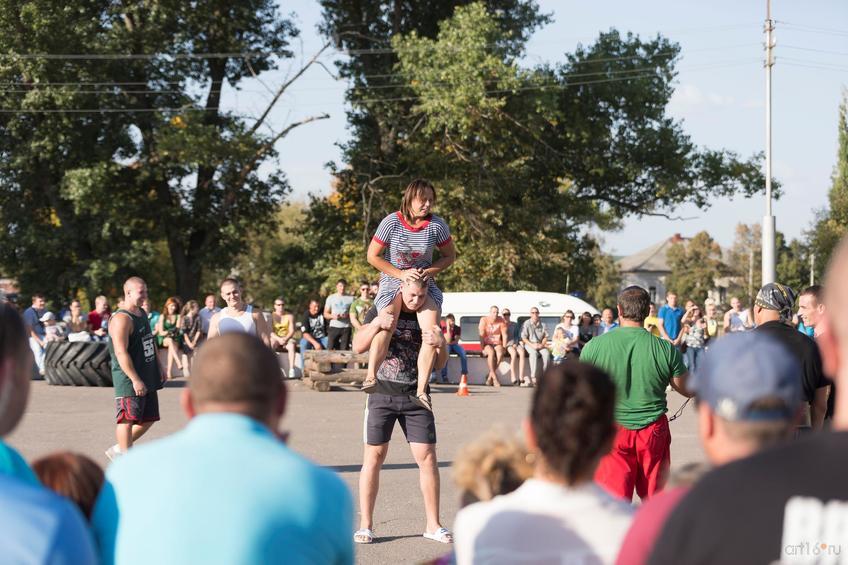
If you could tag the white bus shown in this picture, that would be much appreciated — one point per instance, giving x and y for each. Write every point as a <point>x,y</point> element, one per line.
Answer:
<point>469,307</point>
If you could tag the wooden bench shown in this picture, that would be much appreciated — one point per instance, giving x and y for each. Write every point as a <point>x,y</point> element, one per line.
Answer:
<point>318,371</point>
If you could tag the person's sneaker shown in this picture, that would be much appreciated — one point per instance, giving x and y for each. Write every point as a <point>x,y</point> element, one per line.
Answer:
<point>113,452</point>
<point>292,374</point>
<point>369,385</point>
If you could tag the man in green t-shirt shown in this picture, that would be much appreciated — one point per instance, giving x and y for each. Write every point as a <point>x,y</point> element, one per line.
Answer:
<point>360,306</point>
<point>136,373</point>
<point>641,366</point>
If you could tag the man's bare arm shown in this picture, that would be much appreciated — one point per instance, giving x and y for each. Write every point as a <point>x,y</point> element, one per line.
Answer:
<point>120,328</point>
<point>290,333</point>
<point>818,407</point>
<point>661,327</point>
<point>213,326</point>
<point>678,383</point>
<point>263,332</point>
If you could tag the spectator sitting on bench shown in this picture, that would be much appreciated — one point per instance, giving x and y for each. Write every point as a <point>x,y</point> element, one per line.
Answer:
<point>52,330</point>
<point>98,318</point>
<point>169,334</point>
<point>314,330</point>
<point>493,338</point>
<point>514,348</point>
<point>282,331</point>
<point>453,334</point>
<point>77,324</point>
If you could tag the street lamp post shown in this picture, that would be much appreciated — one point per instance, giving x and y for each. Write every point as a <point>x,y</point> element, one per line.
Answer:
<point>768,221</point>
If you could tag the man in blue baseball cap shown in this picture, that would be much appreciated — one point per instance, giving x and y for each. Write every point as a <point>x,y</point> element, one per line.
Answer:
<point>749,397</point>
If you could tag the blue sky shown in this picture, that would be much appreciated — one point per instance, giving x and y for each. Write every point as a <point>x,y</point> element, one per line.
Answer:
<point>720,98</point>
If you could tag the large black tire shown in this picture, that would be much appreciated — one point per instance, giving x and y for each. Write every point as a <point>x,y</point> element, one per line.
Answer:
<point>82,363</point>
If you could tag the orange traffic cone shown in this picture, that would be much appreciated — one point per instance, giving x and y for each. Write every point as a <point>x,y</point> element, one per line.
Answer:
<point>463,387</point>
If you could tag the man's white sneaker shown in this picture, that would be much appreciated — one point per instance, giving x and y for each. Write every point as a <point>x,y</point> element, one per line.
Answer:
<point>113,452</point>
<point>292,374</point>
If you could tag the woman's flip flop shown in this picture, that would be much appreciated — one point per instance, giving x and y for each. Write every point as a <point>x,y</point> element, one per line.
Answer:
<point>365,535</point>
<point>442,535</point>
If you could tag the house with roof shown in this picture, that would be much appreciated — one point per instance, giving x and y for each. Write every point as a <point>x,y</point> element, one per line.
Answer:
<point>649,268</point>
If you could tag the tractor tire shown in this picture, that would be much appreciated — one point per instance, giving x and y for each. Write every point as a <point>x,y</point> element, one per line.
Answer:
<point>82,363</point>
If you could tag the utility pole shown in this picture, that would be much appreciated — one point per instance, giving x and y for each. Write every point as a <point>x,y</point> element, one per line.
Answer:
<point>812,269</point>
<point>768,221</point>
<point>751,274</point>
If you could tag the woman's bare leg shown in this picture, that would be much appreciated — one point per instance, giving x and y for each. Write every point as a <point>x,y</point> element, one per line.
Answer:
<point>169,344</point>
<point>290,349</point>
<point>428,316</point>
<point>380,344</point>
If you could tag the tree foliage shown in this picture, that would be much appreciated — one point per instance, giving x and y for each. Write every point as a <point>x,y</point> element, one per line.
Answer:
<point>695,266</point>
<point>93,181</point>
<point>832,222</point>
<point>745,260</point>
<point>524,159</point>
<point>603,291</point>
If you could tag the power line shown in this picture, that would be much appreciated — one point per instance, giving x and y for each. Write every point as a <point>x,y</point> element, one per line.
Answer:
<point>815,66</point>
<point>812,29</point>
<point>557,86</point>
<point>398,75</point>
<point>844,53</point>
<point>133,56</point>
<point>248,55</point>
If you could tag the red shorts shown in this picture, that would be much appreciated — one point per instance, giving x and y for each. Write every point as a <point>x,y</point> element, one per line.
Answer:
<point>137,409</point>
<point>639,459</point>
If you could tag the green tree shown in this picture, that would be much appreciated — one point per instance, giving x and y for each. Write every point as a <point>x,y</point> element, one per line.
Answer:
<point>107,157</point>
<point>695,266</point>
<point>832,223</point>
<point>745,259</point>
<point>607,284</point>
<point>523,158</point>
<point>793,267</point>
<point>745,262</point>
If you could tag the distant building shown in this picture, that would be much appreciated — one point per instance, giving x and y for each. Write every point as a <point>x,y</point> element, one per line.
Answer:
<point>649,269</point>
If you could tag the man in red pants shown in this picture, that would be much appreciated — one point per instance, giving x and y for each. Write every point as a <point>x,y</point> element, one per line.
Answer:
<point>642,366</point>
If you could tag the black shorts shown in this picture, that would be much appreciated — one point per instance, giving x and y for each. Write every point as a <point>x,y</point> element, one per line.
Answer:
<point>137,409</point>
<point>383,410</point>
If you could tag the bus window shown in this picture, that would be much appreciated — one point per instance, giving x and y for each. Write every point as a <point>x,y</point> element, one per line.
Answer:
<point>470,328</point>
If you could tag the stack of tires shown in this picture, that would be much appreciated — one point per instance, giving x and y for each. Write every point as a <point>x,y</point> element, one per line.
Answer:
<point>81,363</point>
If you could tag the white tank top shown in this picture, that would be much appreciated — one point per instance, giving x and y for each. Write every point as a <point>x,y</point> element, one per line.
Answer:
<point>237,324</point>
<point>738,321</point>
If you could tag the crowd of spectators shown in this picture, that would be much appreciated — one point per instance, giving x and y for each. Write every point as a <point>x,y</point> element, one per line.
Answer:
<point>596,432</point>
<point>179,329</point>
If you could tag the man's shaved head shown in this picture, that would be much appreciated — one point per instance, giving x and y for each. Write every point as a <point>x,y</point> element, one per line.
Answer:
<point>135,292</point>
<point>236,373</point>
<point>133,281</point>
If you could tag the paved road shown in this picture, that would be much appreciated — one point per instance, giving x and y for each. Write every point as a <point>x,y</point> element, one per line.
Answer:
<point>326,427</point>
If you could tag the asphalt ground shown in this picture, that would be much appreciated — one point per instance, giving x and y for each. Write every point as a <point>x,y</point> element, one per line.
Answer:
<point>327,428</point>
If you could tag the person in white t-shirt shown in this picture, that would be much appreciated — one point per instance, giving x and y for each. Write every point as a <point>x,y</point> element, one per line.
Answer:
<point>737,319</point>
<point>571,331</point>
<point>560,515</point>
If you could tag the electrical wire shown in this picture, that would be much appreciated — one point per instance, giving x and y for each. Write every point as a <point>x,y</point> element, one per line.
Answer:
<point>541,87</point>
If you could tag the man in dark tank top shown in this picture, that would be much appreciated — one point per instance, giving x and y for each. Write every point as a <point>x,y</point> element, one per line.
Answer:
<point>136,373</point>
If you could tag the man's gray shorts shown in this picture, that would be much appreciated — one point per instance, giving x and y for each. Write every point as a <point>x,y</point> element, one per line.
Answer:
<point>383,410</point>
